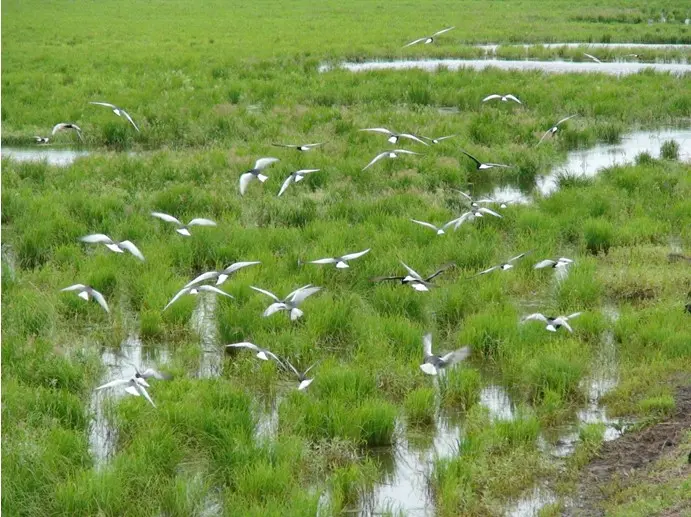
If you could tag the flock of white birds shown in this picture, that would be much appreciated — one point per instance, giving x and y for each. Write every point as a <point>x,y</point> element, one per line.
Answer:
<point>432,363</point>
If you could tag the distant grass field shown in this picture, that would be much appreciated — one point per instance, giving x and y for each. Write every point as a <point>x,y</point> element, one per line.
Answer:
<point>212,85</point>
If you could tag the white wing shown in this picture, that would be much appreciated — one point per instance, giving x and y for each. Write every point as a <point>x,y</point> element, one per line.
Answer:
<point>443,31</point>
<point>352,256</point>
<point>380,129</point>
<point>412,137</point>
<point>212,289</point>
<point>127,116</point>
<point>412,272</point>
<point>427,225</point>
<point>167,218</point>
<point>324,261</point>
<point>574,315</point>
<point>275,307</point>
<point>405,151</point>
<point>516,257</point>
<point>302,172</point>
<point>414,42</point>
<point>204,276</point>
<point>244,344</point>
<point>451,223</point>
<point>150,372</point>
<point>298,297</point>
<point>427,344</point>
<point>513,98</point>
<point>112,384</point>
<point>545,135</point>
<point>129,246</point>
<point>263,163</point>
<point>535,316</point>
<point>201,222</point>
<point>267,293</point>
<point>141,389</point>
<point>592,57</point>
<point>564,119</point>
<point>97,238</point>
<point>286,184</point>
<point>75,287</point>
<point>181,292</point>
<point>463,218</point>
<point>498,165</point>
<point>106,104</point>
<point>245,180</point>
<point>376,159</point>
<point>487,210</point>
<point>456,356</point>
<point>490,97</point>
<point>313,145</point>
<point>487,270</point>
<point>544,263</point>
<point>100,299</point>
<point>239,265</point>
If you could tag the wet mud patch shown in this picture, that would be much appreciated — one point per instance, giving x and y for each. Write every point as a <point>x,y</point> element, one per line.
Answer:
<point>634,451</point>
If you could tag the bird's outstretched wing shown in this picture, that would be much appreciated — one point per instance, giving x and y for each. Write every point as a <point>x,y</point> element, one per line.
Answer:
<point>427,344</point>
<point>478,162</point>
<point>263,163</point>
<point>376,159</point>
<point>129,246</point>
<point>167,218</point>
<point>267,293</point>
<point>180,293</point>
<point>100,300</point>
<point>201,222</point>
<point>490,97</point>
<point>353,256</point>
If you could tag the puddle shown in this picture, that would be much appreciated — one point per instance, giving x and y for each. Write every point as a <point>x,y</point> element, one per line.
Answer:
<point>57,157</point>
<point>102,434</point>
<point>407,467</point>
<point>588,162</point>
<point>531,504</point>
<point>550,67</point>
<point>204,323</point>
<point>497,401</point>
<point>267,422</point>
<point>649,46</point>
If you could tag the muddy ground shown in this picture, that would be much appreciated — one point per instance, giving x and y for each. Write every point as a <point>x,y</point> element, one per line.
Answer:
<point>620,460</point>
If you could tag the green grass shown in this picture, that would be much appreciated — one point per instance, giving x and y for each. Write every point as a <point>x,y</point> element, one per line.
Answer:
<point>210,98</point>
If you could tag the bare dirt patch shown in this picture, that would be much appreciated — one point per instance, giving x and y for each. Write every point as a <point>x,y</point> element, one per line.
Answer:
<point>619,460</point>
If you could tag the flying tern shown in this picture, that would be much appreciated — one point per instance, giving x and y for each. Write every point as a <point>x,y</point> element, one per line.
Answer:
<point>388,154</point>
<point>504,266</point>
<point>118,111</point>
<point>183,229</point>
<point>262,353</point>
<point>428,39</point>
<point>64,126</point>
<point>290,303</point>
<point>504,98</point>
<point>116,246</point>
<point>413,278</point>
<point>196,290</point>
<point>221,275</point>
<point>341,262</point>
<point>551,131</point>
<point>484,166</point>
<point>296,177</point>
<point>134,386</point>
<point>255,173</point>
<point>300,147</point>
<point>433,363</point>
<point>553,323</point>
<point>85,291</point>
<point>394,137</point>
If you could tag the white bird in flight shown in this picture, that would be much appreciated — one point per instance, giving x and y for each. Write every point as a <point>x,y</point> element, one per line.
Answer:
<point>439,139</point>
<point>472,214</point>
<point>438,229</point>
<point>64,126</point>
<point>300,147</point>
<point>474,202</point>
<point>118,111</point>
<point>428,39</point>
<point>221,275</point>
<point>302,377</point>
<point>388,154</point>
<point>551,131</point>
<point>195,290</point>
<point>504,98</point>
<point>116,246</point>
<point>433,363</point>
<point>85,291</point>
<point>255,172</point>
<point>41,139</point>
<point>134,386</point>
<point>262,353</point>
<point>484,166</point>
<point>148,373</point>
<point>296,177</point>
<point>413,278</point>
<point>503,267</point>
<point>290,303</point>
<point>183,229</point>
<point>561,262</point>
<point>394,137</point>
<point>552,323</point>
<point>341,262</point>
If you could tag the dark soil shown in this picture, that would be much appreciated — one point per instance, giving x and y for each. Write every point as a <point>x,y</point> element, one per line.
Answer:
<point>632,452</point>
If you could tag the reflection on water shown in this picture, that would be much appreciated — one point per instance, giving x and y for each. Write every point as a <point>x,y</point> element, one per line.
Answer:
<point>550,67</point>
<point>267,421</point>
<point>531,504</point>
<point>497,401</point>
<point>407,466</point>
<point>588,162</point>
<point>204,323</point>
<point>57,157</point>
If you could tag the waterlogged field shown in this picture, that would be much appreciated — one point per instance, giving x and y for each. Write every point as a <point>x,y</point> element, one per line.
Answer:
<point>212,85</point>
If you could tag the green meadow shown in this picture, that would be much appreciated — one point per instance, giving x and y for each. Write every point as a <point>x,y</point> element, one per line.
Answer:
<point>212,85</point>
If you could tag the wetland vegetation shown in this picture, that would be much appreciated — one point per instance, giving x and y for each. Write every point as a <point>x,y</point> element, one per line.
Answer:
<point>212,85</point>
